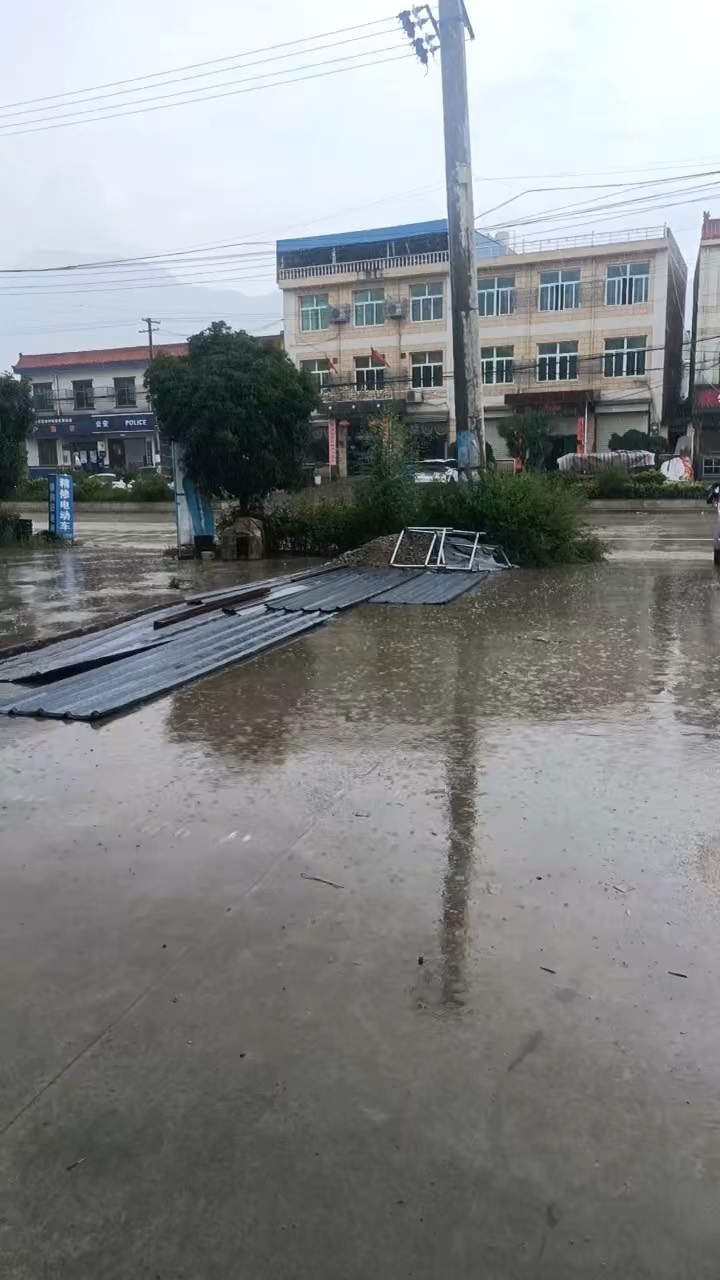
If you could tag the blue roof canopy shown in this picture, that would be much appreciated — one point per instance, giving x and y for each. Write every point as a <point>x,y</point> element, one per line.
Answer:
<point>486,245</point>
<point>330,241</point>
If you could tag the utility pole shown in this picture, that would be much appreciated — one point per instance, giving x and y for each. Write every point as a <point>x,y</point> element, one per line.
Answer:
<point>151,326</point>
<point>469,409</point>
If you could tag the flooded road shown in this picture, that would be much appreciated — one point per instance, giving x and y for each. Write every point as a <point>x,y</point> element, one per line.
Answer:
<point>390,954</point>
<point>118,566</point>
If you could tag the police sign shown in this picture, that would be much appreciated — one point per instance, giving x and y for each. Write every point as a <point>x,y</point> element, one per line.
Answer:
<point>60,506</point>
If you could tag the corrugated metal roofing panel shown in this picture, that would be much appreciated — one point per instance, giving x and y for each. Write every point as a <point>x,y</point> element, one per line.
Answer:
<point>340,590</point>
<point>124,637</point>
<point>431,587</point>
<point>103,691</point>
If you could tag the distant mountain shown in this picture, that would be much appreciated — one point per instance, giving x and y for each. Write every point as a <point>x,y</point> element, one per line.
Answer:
<point>69,312</point>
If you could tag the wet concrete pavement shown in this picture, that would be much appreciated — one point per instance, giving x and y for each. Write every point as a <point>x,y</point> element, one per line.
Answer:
<point>468,1055</point>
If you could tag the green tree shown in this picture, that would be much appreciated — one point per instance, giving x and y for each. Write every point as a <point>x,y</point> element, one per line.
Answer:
<point>16,419</point>
<point>240,410</point>
<point>528,437</point>
<point>635,439</point>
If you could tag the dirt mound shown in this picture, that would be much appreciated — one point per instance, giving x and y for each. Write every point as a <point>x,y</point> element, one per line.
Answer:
<point>375,554</point>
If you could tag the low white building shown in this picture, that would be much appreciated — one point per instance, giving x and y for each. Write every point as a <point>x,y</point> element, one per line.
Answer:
<point>91,408</point>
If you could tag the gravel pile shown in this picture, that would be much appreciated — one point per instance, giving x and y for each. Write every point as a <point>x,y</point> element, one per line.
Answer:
<point>376,554</point>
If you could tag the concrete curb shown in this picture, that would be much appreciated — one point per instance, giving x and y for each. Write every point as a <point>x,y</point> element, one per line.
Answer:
<point>97,508</point>
<point>647,504</point>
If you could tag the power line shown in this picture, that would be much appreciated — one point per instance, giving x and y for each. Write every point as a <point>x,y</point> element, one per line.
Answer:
<point>191,66</point>
<point>77,117</point>
<point>590,207</point>
<point>373,35</point>
<point>210,271</point>
<point>43,128</point>
<point>634,186</point>
<point>174,284</point>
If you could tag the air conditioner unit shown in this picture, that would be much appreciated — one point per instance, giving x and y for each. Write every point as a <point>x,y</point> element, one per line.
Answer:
<point>339,315</point>
<point>414,397</point>
<point>395,309</point>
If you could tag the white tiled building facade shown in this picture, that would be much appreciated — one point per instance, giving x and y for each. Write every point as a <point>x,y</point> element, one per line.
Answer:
<point>585,329</point>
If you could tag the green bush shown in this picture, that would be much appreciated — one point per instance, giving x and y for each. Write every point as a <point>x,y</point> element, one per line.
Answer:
<point>613,482</point>
<point>681,490</point>
<point>642,480</point>
<point>30,490</point>
<point>535,517</point>
<point>151,487</point>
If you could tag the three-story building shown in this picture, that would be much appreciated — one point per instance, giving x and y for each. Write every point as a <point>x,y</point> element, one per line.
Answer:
<point>589,328</point>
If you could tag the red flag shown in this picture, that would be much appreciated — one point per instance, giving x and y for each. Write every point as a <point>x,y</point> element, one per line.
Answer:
<point>375,355</point>
<point>331,362</point>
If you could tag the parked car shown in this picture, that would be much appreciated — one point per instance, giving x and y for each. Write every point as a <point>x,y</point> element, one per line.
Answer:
<point>109,479</point>
<point>434,471</point>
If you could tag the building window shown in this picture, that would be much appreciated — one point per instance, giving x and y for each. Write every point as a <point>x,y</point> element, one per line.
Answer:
<point>496,295</point>
<point>625,357</point>
<point>125,397</point>
<point>559,290</point>
<point>83,394</point>
<point>313,312</point>
<point>627,284</point>
<point>427,369</point>
<point>43,397</point>
<point>711,465</point>
<point>369,374</point>
<point>369,307</point>
<point>557,362</point>
<point>426,301</point>
<point>497,364</point>
<point>47,453</point>
<point>318,371</point>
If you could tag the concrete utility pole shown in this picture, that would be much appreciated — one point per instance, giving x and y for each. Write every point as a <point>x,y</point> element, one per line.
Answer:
<point>151,325</point>
<point>469,413</point>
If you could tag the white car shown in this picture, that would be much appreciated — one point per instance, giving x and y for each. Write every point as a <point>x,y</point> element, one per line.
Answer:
<point>434,471</point>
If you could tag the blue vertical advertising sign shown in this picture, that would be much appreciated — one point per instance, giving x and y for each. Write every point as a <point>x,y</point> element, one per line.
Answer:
<point>60,506</point>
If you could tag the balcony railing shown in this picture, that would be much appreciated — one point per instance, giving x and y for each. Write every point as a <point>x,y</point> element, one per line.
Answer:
<point>586,240</point>
<point>369,267</point>
<point>104,400</point>
<point>374,268</point>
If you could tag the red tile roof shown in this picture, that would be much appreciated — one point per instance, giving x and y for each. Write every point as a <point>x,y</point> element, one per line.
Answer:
<point>104,356</point>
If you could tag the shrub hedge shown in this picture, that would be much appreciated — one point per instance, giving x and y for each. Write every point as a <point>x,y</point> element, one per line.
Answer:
<point>87,488</point>
<point>536,518</point>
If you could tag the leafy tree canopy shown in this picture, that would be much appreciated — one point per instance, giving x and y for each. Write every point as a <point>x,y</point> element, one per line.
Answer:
<point>240,410</point>
<point>528,438</point>
<point>635,439</point>
<point>16,419</point>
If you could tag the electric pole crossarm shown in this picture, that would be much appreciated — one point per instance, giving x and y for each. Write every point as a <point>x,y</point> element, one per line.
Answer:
<point>152,325</point>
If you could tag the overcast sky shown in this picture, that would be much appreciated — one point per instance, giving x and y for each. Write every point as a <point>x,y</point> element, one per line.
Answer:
<point>556,89</point>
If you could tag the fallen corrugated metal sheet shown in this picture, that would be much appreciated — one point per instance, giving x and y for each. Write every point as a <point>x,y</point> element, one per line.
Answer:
<point>431,587</point>
<point>341,589</point>
<point>123,638</point>
<point>103,691</point>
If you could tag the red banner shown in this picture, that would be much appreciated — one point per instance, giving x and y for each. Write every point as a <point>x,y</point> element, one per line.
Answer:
<point>709,398</point>
<point>332,442</point>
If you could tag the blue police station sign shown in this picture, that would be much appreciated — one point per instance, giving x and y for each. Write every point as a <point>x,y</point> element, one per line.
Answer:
<point>93,424</point>
<point>60,506</point>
